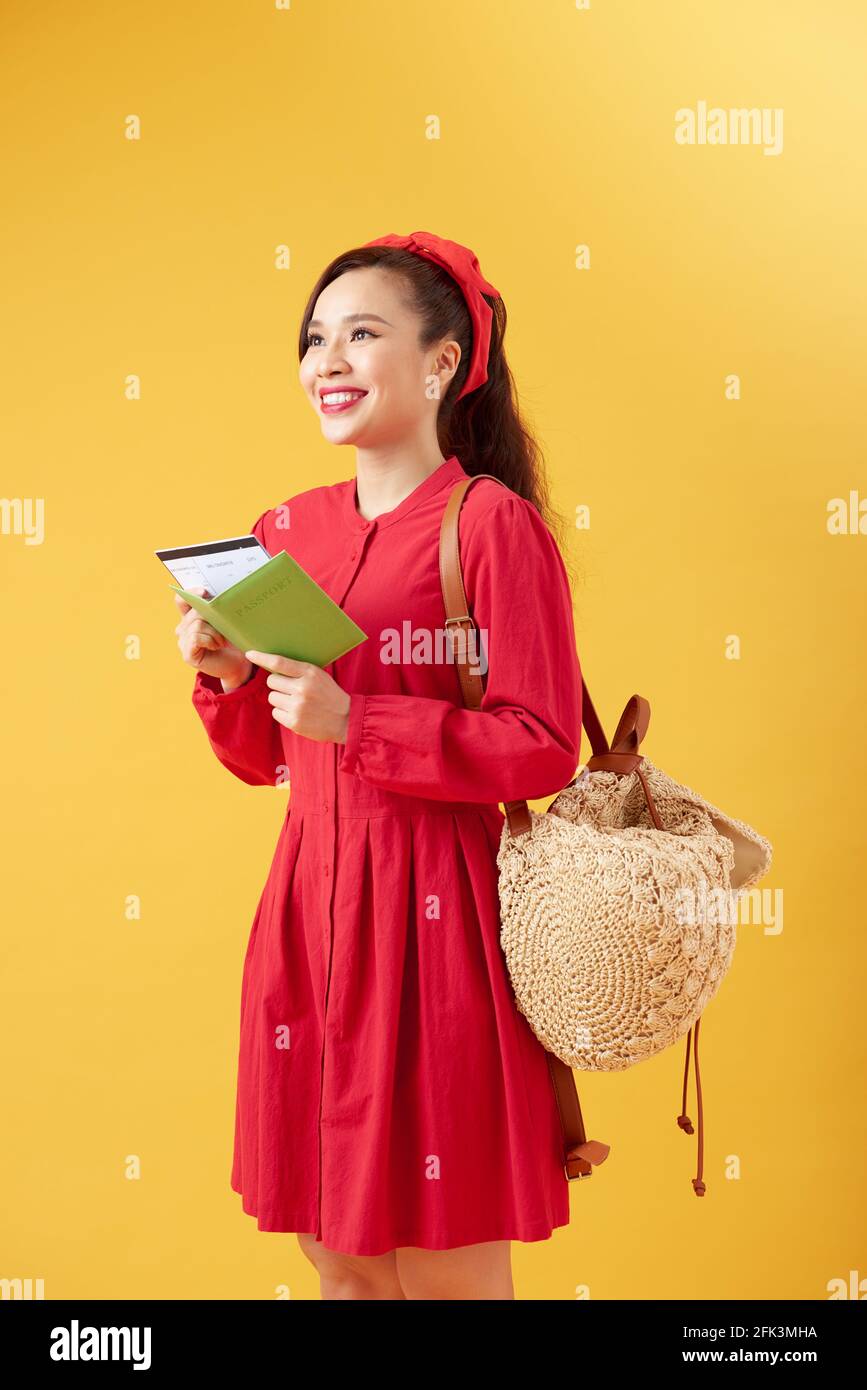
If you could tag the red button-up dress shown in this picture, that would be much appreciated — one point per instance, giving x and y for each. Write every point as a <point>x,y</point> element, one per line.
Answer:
<point>389,1091</point>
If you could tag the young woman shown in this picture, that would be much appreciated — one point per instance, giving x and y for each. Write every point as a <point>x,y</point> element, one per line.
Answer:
<point>394,1108</point>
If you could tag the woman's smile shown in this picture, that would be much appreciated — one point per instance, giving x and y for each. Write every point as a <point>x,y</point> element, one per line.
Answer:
<point>331,402</point>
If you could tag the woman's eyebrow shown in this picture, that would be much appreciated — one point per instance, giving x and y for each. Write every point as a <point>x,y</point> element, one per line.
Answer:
<point>350,318</point>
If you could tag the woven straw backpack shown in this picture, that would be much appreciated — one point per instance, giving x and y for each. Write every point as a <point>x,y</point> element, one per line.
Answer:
<point>617,905</point>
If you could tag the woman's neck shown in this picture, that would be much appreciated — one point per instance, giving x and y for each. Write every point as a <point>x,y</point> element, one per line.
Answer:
<point>383,480</point>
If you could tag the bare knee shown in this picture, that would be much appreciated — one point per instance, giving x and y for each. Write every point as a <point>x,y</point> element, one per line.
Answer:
<point>341,1276</point>
<point>466,1273</point>
<point>349,1285</point>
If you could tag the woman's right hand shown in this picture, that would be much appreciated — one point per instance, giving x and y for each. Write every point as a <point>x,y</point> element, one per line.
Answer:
<point>206,649</point>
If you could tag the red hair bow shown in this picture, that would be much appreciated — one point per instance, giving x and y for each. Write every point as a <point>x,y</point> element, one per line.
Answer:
<point>463,266</point>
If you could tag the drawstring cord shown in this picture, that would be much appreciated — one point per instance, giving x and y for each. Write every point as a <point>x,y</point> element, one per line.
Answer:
<point>683,1120</point>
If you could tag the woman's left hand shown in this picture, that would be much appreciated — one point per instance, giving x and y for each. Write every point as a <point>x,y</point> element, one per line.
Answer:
<point>304,698</point>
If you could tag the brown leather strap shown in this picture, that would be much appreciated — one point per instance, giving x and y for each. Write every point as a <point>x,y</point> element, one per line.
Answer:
<point>620,756</point>
<point>459,621</point>
<point>580,1153</point>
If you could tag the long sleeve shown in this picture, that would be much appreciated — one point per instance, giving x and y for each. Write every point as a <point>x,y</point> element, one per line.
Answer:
<point>240,726</point>
<point>523,743</point>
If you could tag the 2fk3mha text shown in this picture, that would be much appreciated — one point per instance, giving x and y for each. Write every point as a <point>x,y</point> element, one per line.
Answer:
<point>736,1346</point>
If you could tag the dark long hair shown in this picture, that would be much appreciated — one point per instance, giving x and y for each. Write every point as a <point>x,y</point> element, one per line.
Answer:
<point>485,428</point>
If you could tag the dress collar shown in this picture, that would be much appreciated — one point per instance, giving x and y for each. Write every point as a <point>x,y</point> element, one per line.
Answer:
<point>449,471</point>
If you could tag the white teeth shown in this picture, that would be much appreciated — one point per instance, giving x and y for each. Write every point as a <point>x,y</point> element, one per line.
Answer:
<point>338,397</point>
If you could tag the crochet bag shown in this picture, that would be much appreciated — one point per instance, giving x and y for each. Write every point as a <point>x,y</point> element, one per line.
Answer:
<point>617,905</point>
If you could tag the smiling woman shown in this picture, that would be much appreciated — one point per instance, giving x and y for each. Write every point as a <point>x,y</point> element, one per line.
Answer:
<point>374,971</point>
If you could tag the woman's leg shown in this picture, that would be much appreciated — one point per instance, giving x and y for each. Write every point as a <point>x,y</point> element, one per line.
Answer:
<point>467,1272</point>
<point>352,1276</point>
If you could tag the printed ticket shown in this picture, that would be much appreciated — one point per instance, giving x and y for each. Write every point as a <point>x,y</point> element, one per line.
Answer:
<point>215,565</point>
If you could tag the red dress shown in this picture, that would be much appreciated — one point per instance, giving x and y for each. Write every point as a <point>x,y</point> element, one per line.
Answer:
<point>389,1091</point>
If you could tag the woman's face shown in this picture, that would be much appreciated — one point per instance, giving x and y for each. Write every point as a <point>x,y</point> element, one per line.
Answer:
<point>363,338</point>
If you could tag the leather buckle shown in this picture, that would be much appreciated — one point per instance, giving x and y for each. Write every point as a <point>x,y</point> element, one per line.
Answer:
<point>574,1177</point>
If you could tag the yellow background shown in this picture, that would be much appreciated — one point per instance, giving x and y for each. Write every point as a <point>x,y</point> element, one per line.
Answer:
<point>708,517</point>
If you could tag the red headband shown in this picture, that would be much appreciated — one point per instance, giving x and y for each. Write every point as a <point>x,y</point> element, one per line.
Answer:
<point>462,265</point>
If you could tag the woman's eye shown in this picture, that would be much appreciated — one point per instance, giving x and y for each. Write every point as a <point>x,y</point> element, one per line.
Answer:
<point>359,329</point>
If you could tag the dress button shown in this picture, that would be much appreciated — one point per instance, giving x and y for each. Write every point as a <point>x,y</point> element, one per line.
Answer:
<point>326,869</point>
<point>325,805</point>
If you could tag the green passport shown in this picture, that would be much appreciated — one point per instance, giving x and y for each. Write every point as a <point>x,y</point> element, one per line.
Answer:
<point>280,608</point>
